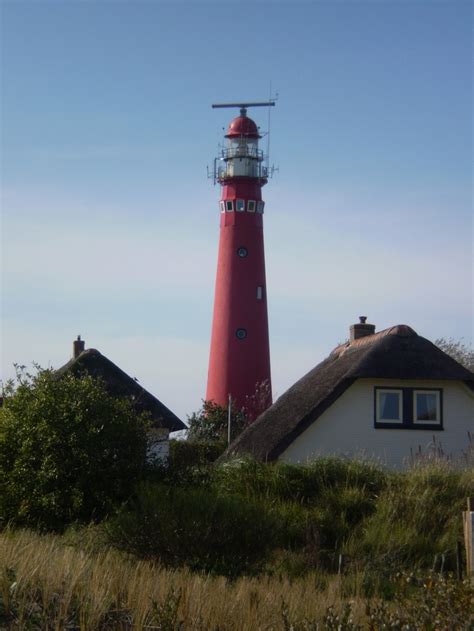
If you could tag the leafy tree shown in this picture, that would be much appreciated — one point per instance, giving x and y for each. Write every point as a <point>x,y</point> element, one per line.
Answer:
<point>68,450</point>
<point>209,424</point>
<point>459,351</point>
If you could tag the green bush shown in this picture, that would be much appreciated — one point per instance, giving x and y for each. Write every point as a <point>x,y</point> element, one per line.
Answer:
<point>68,450</point>
<point>417,516</point>
<point>199,528</point>
<point>307,484</point>
<point>209,424</point>
<point>185,453</point>
<point>189,464</point>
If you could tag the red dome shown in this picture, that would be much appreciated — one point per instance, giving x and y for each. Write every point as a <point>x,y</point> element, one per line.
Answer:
<point>242,126</point>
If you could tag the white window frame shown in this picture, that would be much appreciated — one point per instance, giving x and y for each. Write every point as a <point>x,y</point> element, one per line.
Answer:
<point>260,207</point>
<point>251,205</point>
<point>380,391</point>
<point>231,202</point>
<point>222,206</point>
<point>436,421</point>
<point>240,202</point>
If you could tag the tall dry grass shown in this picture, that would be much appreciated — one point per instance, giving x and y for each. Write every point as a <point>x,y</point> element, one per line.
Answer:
<point>47,583</point>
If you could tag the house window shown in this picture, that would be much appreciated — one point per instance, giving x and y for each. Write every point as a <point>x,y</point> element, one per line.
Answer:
<point>259,292</point>
<point>426,407</point>
<point>260,207</point>
<point>408,408</point>
<point>222,206</point>
<point>389,406</point>
<point>240,205</point>
<point>251,206</point>
<point>229,206</point>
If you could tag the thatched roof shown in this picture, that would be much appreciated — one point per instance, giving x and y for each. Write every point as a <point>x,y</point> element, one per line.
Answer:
<point>119,384</point>
<point>395,353</point>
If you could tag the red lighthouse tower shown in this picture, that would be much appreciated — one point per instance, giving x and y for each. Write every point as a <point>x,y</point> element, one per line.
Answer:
<point>239,360</point>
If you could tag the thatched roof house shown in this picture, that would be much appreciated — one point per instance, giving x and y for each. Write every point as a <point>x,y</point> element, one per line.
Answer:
<point>119,384</point>
<point>380,395</point>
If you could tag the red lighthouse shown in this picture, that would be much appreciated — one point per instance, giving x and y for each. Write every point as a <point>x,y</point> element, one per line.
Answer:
<point>239,360</point>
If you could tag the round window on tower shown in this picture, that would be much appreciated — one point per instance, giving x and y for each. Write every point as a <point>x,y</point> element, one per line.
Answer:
<point>242,252</point>
<point>241,334</point>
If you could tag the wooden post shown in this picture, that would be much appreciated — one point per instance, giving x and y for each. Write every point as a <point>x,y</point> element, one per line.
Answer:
<point>339,567</point>
<point>468,524</point>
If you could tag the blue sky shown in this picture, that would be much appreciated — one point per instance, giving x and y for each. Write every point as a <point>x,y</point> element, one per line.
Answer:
<point>110,226</point>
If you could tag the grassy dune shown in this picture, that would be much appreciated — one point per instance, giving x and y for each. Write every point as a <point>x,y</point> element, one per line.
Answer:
<point>390,527</point>
<point>47,583</point>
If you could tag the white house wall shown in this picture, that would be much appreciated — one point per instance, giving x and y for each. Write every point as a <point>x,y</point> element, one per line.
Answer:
<point>158,446</point>
<point>347,427</point>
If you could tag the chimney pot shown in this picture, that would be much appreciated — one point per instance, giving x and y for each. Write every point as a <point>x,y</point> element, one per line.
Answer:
<point>361,329</point>
<point>77,347</point>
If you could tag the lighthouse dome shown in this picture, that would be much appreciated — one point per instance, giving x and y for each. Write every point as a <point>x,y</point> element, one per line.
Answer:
<point>242,126</point>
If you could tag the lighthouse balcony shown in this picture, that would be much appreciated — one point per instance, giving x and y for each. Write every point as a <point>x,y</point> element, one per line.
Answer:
<point>230,170</point>
<point>243,151</point>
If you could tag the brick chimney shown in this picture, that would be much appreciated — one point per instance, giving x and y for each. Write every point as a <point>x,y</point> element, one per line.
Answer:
<point>362,329</point>
<point>77,347</point>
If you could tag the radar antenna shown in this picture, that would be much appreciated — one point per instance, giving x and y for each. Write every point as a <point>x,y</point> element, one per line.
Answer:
<point>244,106</point>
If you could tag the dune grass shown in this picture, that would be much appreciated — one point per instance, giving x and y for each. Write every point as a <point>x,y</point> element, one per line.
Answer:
<point>389,526</point>
<point>46,583</point>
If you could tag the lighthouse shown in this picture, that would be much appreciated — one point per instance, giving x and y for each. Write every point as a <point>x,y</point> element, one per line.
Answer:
<point>239,362</point>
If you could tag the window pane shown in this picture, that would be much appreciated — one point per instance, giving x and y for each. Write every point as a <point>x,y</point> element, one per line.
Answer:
<point>426,406</point>
<point>389,406</point>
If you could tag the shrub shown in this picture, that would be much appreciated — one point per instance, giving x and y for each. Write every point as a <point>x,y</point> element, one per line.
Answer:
<point>416,517</point>
<point>189,464</point>
<point>68,450</point>
<point>209,424</point>
<point>195,527</point>
<point>307,484</point>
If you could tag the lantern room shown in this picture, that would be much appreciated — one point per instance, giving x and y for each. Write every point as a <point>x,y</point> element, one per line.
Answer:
<point>241,156</point>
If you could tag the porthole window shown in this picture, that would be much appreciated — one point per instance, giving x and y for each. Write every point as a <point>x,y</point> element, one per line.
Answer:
<point>241,334</point>
<point>251,206</point>
<point>222,206</point>
<point>240,205</point>
<point>229,206</point>
<point>260,207</point>
<point>242,252</point>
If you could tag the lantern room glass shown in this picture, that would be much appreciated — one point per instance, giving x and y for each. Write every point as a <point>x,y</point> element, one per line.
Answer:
<point>240,147</point>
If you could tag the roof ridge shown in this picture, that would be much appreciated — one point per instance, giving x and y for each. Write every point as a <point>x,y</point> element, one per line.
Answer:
<point>401,330</point>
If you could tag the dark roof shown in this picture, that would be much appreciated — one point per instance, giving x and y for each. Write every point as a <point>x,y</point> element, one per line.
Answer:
<point>395,353</point>
<point>119,384</point>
